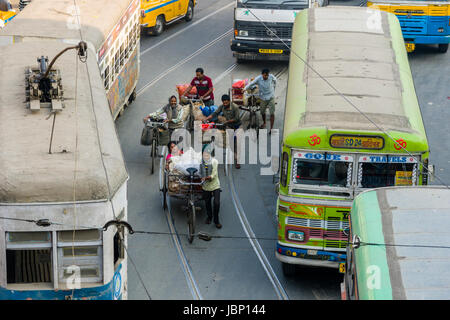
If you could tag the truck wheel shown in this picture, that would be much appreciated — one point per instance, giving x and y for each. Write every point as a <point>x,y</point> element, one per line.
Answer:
<point>190,12</point>
<point>443,47</point>
<point>159,26</point>
<point>288,269</point>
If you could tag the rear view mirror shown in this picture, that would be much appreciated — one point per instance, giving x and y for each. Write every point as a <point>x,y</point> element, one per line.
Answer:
<point>431,169</point>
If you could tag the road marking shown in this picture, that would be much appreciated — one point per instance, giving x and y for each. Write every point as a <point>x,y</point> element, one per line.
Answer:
<point>225,73</point>
<point>192,284</point>
<point>281,293</point>
<point>187,28</point>
<point>162,75</point>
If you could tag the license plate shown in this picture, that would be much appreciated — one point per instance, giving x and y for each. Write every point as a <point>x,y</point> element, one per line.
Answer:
<point>312,252</point>
<point>270,51</point>
<point>342,267</point>
<point>410,47</point>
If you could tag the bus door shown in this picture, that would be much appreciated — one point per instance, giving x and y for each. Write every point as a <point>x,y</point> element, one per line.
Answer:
<point>376,171</point>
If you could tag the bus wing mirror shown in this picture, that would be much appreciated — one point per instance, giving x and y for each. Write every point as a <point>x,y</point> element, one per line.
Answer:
<point>431,169</point>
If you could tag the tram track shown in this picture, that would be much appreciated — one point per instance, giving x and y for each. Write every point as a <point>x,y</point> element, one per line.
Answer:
<point>192,284</point>
<point>183,61</point>
<point>278,287</point>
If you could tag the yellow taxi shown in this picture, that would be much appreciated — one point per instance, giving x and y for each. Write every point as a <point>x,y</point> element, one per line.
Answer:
<point>156,14</point>
<point>6,13</point>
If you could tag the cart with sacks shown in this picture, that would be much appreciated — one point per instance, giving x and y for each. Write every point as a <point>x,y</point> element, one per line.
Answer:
<point>182,178</point>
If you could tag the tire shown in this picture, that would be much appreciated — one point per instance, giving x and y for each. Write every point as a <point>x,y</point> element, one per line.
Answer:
<point>443,47</point>
<point>190,12</point>
<point>288,269</point>
<point>132,97</point>
<point>153,154</point>
<point>191,223</point>
<point>159,26</point>
<point>164,195</point>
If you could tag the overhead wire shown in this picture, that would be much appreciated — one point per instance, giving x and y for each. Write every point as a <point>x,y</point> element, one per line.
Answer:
<point>237,237</point>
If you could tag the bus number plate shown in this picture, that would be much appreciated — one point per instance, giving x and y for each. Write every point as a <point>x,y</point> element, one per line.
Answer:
<point>357,142</point>
<point>270,51</point>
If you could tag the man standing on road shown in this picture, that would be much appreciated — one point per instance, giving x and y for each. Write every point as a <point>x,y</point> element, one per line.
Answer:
<point>266,85</point>
<point>232,119</point>
<point>204,87</point>
<point>211,186</point>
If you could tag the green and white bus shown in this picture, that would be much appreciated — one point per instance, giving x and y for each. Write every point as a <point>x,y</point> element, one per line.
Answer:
<point>331,151</point>
<point>400,245</point>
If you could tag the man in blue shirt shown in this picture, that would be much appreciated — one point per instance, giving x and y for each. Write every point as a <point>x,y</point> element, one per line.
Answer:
<point>266,90</point>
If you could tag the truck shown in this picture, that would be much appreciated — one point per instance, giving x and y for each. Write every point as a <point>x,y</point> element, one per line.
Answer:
<point>263,28</point>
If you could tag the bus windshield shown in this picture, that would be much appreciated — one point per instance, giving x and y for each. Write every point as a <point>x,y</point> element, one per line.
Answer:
<point>321,169</point>
<point>386,174</point>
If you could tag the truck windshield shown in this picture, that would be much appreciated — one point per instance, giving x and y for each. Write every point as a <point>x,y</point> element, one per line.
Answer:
<point>322,172</point>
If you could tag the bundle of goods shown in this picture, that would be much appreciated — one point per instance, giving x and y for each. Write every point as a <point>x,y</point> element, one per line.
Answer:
<point>181,88</point>
<point>237,93</point>
<point>178,169</point>
<point>198,111</point>
<point>207,135</point>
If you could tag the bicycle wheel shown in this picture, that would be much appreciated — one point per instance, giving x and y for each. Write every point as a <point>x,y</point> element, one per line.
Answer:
<point>191,223</point>
<point>153,154</point>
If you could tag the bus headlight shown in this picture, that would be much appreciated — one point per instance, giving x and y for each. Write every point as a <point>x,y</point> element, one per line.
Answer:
<point>243,33</point>
<point>296,235</point>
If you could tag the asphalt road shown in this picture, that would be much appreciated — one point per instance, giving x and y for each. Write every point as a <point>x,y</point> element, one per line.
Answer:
<point>228,268</point>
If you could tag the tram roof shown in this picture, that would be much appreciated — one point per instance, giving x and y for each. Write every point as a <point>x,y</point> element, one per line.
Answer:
<point>406,218</point>
<point>28,173</point>
<point>53,19</point>
<point>361,52</point>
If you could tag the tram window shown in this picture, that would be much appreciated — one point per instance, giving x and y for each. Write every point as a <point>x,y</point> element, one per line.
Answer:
<point>29,266</point>
<point>319,172</point>
<point>79,235</point>
<point>122,54</point>
<point>80,251</point>
<point>28,257</point>
<point>375,175</point>
<point>117,62</point>
<point>106,77</point>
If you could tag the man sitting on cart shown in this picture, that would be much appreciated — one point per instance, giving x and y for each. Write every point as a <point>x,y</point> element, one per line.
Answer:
<point>232,118</point>
<point>174,113</point>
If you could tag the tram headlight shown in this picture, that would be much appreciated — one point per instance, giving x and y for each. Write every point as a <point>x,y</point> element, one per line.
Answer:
<point>296,235</point>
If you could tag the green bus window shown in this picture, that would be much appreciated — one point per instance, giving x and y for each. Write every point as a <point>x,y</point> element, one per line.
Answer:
<point>320,172</point>
<point>284,169</point>
<point>376,175</point>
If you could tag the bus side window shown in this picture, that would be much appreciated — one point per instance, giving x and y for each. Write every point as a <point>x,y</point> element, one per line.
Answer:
<point>284,169</point>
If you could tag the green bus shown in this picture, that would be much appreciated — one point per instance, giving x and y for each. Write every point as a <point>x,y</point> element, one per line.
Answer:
<point>399,245</point>
<point>331,151</point>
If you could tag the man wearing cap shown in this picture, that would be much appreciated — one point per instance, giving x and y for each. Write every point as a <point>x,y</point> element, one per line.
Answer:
<point>232,118</point>
<point>211,186</point>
